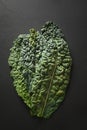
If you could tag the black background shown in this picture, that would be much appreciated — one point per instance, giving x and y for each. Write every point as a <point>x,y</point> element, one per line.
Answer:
<point>17,16</point>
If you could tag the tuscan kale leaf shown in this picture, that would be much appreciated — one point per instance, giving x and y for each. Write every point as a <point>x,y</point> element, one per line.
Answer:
<point>40,67</point>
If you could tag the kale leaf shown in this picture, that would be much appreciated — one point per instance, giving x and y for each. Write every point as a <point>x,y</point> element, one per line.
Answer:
<point>40,67</point>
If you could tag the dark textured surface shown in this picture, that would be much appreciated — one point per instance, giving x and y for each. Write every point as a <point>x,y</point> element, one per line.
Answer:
<point>16,16</point>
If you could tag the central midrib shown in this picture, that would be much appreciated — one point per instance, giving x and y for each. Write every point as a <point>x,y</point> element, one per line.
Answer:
<point>49,89</point>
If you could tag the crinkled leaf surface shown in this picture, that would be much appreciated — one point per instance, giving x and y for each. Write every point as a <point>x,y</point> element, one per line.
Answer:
<point>40,66</point>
